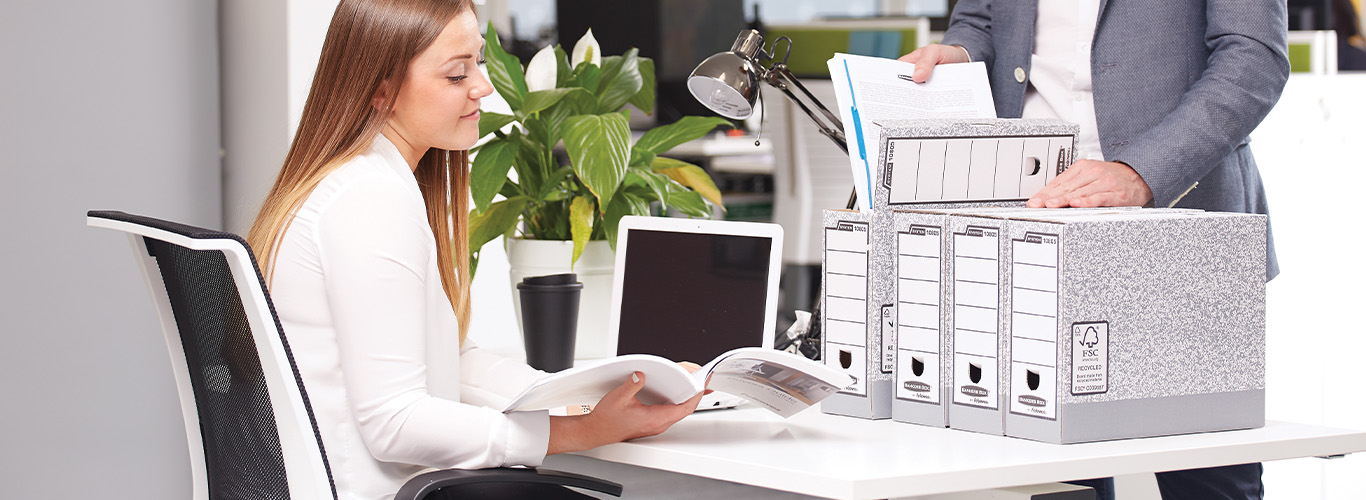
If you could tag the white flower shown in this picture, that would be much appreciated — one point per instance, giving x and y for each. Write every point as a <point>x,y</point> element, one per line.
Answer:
<point>542,71</point>
<point>587,49</point>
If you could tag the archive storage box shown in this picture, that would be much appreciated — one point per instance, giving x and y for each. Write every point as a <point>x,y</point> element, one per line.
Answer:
<point>1133,323</point>
<point>921,377</point>
<point>857,315</point>
<point>929,163</point>
<point>924,378</point>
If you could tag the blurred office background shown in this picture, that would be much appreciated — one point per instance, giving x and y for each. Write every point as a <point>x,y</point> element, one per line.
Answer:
<point>183,109</point>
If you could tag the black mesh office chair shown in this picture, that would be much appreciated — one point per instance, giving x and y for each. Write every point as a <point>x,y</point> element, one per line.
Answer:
<point>250,428</point>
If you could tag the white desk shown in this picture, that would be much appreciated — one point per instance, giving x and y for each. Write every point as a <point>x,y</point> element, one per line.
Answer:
<point>843,457</point>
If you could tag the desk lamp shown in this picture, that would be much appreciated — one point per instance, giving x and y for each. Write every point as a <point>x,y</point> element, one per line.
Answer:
<point>728,84</point>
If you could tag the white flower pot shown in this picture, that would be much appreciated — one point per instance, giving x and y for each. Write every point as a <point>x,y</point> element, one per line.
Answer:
<point>594,270</point>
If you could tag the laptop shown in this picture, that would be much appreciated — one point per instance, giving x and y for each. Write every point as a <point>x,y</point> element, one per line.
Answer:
<point>693,289</point>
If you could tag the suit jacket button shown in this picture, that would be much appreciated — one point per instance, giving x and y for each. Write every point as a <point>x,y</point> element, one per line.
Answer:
<point>1019,75</point>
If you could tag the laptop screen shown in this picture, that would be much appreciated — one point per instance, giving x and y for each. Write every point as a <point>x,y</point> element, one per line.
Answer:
<point>692,296</point>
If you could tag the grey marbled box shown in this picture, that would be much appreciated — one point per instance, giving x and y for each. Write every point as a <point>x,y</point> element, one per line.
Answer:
<point>1132,324</point>
<point>857,314</point>
<point>971,314</point>
<point>967,161</point>
<point>921,377</point>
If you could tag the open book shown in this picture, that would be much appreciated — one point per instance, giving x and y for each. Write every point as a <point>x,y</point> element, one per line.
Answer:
<point>784,383</point>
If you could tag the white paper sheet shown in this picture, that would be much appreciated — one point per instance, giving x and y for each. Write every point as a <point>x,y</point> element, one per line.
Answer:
<point>873,89</point>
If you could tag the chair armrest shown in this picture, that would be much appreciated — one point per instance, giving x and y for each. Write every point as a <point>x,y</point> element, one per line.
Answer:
<point>423,484</point>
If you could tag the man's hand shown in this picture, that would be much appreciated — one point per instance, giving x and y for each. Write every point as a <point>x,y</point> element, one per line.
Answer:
<point>1091,183</point>
<point>927,57</point>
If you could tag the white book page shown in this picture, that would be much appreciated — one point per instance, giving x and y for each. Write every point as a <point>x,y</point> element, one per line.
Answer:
<point>783,382</point>
<point>870,90</point>
<point>665,382</point>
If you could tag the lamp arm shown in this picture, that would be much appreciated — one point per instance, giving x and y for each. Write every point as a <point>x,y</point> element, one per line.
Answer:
<point>782,70</point>
<point>780,77</point>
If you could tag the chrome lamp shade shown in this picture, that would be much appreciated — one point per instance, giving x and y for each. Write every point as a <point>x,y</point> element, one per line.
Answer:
<point>728,84</point>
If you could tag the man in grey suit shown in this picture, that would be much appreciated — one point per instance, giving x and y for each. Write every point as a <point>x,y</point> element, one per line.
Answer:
<point>1166,94</point>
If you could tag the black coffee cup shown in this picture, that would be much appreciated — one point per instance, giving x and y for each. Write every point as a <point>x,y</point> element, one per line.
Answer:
<point>550,319</point>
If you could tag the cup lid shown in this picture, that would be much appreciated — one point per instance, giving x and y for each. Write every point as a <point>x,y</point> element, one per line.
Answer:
<point>553,279</point>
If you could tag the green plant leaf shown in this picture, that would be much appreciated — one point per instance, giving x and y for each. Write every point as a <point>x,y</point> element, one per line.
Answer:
<point>626,204</point>
<point>645,99</point>
<point>689,202</point>
<point>658,183</point>
<point>581,212</point>
<point>586,75</point>
<point>689,175</point>
<point>505,70</point>
<point>490,170</point>
<point>489,122</point>
<point>663,138</point>
<point>536,129</point>
<point>621,81</point>
<point>531,162</point>
<point>542,99</point>
<point>598,147</point>
<point>562,69</point>
<point>500,218</point>
<point>557,195</point>
<point>577,102</point>
<point>552,182</point>
<point>511,189</point>
<point>641,158</point>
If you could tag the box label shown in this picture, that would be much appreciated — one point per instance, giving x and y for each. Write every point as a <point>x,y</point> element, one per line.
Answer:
<point>845,310</point>
<point>1034,325</point>
<point>918,297</point>
<point>888,327</point>
<point>976,323</point>
<point>1090,357</point>
<point>971,168</point>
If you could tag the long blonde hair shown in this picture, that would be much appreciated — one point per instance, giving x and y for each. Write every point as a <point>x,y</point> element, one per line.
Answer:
<point>369,44</point>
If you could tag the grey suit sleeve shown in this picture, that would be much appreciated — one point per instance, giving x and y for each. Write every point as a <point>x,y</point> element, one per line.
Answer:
<point>970,27</point>
<point>1247,70</point>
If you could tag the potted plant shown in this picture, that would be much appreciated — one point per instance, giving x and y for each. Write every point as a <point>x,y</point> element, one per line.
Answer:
<point>569,206</point>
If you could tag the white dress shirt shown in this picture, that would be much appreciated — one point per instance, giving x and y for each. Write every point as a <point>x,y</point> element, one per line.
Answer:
<point>1060,69</point>
<point>376,342</point>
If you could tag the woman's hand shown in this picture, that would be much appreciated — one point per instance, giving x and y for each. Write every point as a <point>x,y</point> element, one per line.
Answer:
<point>619,416</point>
<point>929,56</point>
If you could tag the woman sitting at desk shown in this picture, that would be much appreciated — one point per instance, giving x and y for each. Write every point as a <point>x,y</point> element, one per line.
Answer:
<point>363,240</point>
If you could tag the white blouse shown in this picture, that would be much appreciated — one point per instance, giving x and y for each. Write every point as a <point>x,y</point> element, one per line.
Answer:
<point>360,298</point>
<point>1060,69</point>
